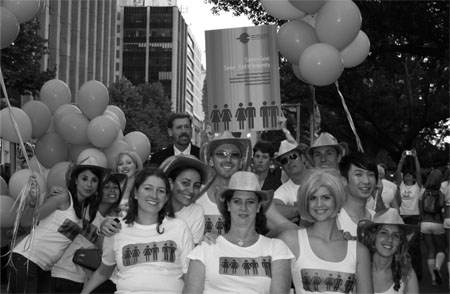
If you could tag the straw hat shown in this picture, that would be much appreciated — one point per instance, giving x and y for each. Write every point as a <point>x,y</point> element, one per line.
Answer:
<point>243,181</point>
<point>186,160</point>
<point>244,145</point>
<point>367,227</point>
<point>89,162</point>
<point>286,147</point>
<point>327,139</point>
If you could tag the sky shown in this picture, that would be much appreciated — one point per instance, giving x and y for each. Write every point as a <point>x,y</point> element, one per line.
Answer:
<point>198,16</point>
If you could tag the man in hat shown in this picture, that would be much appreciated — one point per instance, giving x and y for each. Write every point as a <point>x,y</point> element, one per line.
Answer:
<point>179,128</point>
<point>291,158</point>
<point>326,152</point>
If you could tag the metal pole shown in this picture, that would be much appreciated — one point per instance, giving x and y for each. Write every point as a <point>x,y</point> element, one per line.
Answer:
<point>312,115</point>
<point>298,123</point>
<point>12,158</point>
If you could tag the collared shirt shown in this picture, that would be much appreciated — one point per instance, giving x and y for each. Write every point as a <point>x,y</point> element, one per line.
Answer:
<point>178,152</point>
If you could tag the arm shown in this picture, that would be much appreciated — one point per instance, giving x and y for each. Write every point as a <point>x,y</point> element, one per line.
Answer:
<point>287,133</point>
<point>412,285</point>
<point>61,202</point>
<point>288,211</point>
<point>418,170</point>
<point>290,237</point>
<point>364,282</point>
<point>194,280</point>
<point>100,275</point>
<point>276,222</point>
<point>398,172</point>
<point>397,202</point>
<point>281,276</point>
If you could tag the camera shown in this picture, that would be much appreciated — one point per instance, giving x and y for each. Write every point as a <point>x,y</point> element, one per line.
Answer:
<point>408,152</point>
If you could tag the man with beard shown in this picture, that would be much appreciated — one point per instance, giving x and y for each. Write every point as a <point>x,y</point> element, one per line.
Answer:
<point>179,128</point>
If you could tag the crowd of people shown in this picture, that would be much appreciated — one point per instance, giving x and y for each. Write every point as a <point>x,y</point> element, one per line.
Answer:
<point>229,217</point>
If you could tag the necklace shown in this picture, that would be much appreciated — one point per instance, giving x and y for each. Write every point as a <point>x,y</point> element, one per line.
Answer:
<point>242,242</point>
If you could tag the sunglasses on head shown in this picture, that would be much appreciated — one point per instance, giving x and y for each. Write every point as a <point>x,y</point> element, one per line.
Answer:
<point>286,159</point>
<point>225,154</point>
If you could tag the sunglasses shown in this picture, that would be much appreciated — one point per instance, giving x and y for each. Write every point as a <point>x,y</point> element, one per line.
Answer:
<point>286,159</point>
<point>225,154</point>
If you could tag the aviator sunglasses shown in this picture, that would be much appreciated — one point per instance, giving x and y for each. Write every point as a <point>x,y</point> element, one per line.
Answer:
<point>286,159</point>
<point>225,154</point>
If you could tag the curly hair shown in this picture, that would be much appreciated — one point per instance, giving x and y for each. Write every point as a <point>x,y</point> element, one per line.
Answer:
<point>401,262</point>
<point>134,157</point>
<point>166,210</point>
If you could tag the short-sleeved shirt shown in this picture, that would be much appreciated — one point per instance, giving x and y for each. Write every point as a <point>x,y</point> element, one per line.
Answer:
<point>410,199</point>
<point>287,193</point>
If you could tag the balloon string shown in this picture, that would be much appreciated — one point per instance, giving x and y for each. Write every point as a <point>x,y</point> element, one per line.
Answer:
<point>349,118</point>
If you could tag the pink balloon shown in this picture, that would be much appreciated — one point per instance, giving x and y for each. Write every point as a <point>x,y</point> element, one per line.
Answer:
<point>73,128</point>
<point>3,187</point>
<point>93,152</point>
<point>113,116</point>
<point>57,175</point>
<point>61,112</point>
<point>40,117</point>
<point>294,37</point>
<point>51,149</point>
<point>55,93</point>
<point>281,9</point>
<point>139,143</point>
<point>308,6</point>
<point>7,211</point>
<point>120,114</point>
<point>298,74</point>
<point>338,23</point>
<point>112,151</point>
<point>102,131</point>
<point>321,64</point>
<point>9,27</point>
<point>20,179</point>
<point>7,130</point>
<point>355,53</point>
<point>24,10</point>
<point>75,150</point>
<point>93,97</point>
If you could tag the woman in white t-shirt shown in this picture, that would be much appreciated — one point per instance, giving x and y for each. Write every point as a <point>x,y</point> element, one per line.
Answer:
<point>150,249</point>
<point>242,260</point>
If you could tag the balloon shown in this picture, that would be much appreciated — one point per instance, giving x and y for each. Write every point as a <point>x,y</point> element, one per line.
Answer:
<point>281,9</point>
<point>93,152</point>
<point>355,53</point>
<point>35,165</point>
<point>93,98</point>
<point>7,211</point>
<point>40,117</point>
<point>298,74</point>
<point>55,93</point>
<point>24,10</point>
<point>3,187</point>
<point>61,112</point>
<point>75,150</point>
<point>294,37</point>
<point>139,143</point>
<point>102,131</point>
<point>57,175</point>
<point>51,149</point>
<point>7,130</point>
<point>20,179</point>
<point>73,128</point>
<point>112,151</point>
<point>338,23</point>
<point>321,64</point>
<point>308,6</point>
<point>114,117</point>
<point>310,19</point>
<point>9,27</point>
<point>119,113</point>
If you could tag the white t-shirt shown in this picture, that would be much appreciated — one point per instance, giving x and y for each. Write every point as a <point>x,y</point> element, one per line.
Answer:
<point>149,262</point>
<point>345,223</point>
<point>194,217</point>
<point>287,193</point>
<point>410,199</point>
<point>445,189</point>
<point>213,218</point>
<point>388,193</point>
<point>230,268</point>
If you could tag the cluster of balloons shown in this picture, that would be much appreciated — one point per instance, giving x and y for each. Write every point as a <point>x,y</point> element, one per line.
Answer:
<point>13,13</point>
<point>320,38</point>
<point>66,133</point>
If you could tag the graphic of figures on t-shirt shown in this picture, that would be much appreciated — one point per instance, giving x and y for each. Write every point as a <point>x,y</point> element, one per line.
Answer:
<point>214,224</point>
<point>318,280</point>
<point>162,251</point>
<point>245,266</point>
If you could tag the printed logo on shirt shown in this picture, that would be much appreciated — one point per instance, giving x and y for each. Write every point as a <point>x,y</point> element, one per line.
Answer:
<point>318,280</point>
<point>69,229</point>
<point>163,251</point>
<point>214,224</point>
<point>246,266</point>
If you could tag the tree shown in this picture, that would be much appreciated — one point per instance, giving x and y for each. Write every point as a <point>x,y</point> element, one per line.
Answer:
<point>146,109</point>
<point>20,63</point>
<point>399,96</point>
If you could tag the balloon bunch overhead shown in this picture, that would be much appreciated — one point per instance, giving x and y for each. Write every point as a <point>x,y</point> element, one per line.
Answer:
<point>324,39</point>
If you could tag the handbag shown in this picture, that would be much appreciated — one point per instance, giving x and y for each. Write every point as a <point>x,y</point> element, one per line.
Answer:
<point>89,258</point>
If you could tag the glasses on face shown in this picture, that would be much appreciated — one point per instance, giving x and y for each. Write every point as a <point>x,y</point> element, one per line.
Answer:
<point>225,155</point>
<point>288,158</point>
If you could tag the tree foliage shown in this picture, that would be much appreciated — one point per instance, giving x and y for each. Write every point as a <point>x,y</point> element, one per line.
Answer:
<point>399,97</point>
<point>20,63</point>
<point>146,109</point>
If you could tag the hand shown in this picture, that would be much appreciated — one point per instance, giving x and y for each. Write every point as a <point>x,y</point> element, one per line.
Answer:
<point>110,227</point>
<point>282,122</point>
<point>33,192</point>
<point>413,153</point>
<point>347,236</point>
<point>209,133</point>
<point>210,238</point>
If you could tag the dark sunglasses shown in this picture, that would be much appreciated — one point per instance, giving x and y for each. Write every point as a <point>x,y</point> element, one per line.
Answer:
<point>225,154</point>
<point>286,159</point>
